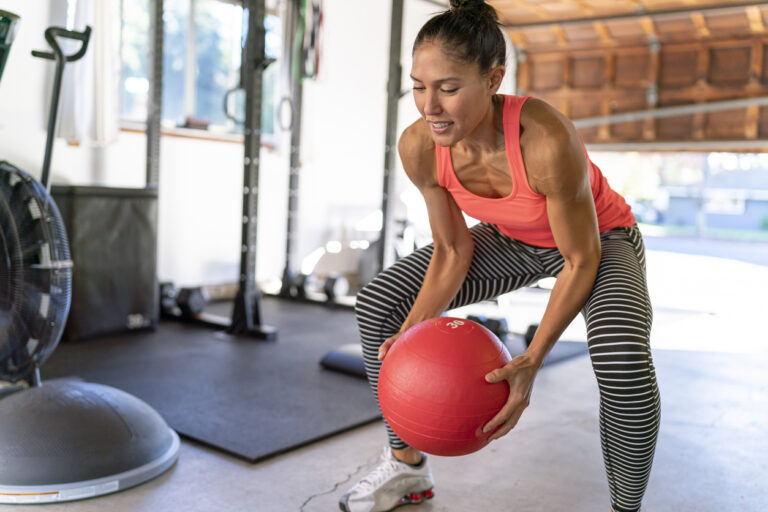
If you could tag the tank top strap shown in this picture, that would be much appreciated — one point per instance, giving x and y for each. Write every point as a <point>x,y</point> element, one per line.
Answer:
<point>511,119</point>
<point>443,160</point>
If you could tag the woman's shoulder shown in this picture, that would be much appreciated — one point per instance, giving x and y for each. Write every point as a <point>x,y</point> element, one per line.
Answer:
<point>544,126</point>
<point>417,139</point>
<point>417,152</point>
<point>551,146</point>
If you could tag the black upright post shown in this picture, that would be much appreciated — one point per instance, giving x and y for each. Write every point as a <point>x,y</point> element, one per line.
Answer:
<point>155,100</point>
<point>293,44</point>
<point>246,315</point>
<point>386,251</point>
<point>51,33</point>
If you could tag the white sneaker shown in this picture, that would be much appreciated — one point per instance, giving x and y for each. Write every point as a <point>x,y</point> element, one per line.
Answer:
<point>391,484</point>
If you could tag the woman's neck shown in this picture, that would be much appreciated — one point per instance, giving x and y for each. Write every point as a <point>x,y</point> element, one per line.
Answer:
<point>488,136</point>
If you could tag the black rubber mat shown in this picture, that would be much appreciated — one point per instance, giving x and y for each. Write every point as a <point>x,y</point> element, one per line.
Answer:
<point>561,351</point>
<point>252,399</point>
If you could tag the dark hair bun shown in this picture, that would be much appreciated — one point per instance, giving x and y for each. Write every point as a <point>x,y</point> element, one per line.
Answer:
<point>458,4</point>
<point>469,31</point>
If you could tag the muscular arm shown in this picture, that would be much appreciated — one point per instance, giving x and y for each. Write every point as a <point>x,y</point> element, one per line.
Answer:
<point>557,167</point>
<point>453,245</point>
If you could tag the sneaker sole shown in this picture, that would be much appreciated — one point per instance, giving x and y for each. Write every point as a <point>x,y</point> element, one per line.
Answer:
<point>409,499</point>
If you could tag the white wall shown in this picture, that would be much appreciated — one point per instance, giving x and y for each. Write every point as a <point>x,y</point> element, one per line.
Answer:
<point>200,181</point>
<point>342,155</point>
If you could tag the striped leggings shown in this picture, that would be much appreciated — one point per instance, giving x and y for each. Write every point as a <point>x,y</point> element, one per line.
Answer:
<point>618,317</point>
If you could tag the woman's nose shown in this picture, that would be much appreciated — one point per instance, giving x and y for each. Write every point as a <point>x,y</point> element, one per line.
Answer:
<point>431,104</point>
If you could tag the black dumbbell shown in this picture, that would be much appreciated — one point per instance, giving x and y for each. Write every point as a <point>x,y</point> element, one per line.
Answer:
<point>304,283</point>
<point>529,333</point>
<point>192,301</point>
<point>168,294</point>
<point>497,326</point>
<point>335,286</point>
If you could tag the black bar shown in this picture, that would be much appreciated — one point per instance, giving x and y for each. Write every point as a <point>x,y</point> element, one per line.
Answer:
<point>51,34</point>
<point>293,57</point>
<point>246,314</point>
<point>390,144</point>
<point>155,100</point>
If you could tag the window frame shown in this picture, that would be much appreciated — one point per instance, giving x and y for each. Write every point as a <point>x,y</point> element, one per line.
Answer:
<point>220,133</point>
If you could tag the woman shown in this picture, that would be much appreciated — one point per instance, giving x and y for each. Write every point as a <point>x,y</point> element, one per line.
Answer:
<point>520,167</point>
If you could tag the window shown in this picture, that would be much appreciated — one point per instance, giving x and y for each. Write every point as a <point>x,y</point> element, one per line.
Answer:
<point>201,63</point>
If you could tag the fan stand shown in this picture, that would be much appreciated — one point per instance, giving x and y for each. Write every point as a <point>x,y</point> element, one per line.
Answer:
<point>67,440</point>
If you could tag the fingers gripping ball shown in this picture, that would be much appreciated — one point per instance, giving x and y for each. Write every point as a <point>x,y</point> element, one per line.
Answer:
<point>432,387</point>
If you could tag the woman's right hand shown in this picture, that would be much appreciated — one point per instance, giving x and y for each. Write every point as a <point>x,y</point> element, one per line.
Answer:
<point>388,343</point>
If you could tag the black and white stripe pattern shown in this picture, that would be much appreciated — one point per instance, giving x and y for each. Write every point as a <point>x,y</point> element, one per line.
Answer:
<point>618,316</point>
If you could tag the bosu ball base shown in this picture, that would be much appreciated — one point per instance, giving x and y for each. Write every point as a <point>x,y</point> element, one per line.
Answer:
<point>70,440</point>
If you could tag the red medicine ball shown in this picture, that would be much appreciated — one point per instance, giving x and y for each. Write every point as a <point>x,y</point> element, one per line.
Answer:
<point>432,387</point>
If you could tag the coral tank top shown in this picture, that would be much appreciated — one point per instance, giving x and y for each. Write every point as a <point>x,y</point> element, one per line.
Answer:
<point>522,214</point>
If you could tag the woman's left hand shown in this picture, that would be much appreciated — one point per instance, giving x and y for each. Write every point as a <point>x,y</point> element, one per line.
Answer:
<point>519,373</point>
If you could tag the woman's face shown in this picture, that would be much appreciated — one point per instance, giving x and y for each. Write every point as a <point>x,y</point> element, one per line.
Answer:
<point>451,95</point>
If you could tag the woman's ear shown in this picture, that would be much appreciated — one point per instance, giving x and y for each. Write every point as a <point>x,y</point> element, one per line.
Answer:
<point>495,76</point>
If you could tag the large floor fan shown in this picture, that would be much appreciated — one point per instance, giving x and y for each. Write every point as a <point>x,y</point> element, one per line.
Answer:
<point>64,439</point>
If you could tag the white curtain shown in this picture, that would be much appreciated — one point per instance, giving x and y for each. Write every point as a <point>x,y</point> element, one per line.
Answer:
<point>89,104</point>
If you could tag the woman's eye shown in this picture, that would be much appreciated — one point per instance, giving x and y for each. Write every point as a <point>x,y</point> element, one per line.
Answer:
<point>449,90</point>
<point>418,88</point>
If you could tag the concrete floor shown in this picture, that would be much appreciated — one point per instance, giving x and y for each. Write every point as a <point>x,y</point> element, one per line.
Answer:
<point>712,453</point>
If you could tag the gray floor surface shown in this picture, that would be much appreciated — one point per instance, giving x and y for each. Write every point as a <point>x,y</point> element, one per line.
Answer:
<point>712,453</point>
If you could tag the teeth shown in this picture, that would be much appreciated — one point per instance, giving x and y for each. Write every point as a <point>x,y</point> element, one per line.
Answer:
<point>440,125</point>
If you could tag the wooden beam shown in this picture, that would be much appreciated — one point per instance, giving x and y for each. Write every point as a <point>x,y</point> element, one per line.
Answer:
<point>540,11</point>
<point>602,31</point>
<point>702,30</point>
<point>752,121</point>
<point>755,17</point>
<point>562,40</point>
<point>517,39</point>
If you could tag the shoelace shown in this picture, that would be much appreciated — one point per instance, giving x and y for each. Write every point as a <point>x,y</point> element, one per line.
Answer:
<point>372,480</point>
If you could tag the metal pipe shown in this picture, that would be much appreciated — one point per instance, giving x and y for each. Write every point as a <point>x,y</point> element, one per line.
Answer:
<point>155,99</point>
<point>292,47</point>
<point>386,251</point>
<point>681,110</point>
<point>697,145</point>
<point>638,14</point>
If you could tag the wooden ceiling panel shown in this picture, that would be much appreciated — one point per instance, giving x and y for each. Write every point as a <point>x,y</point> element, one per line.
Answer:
<point>730,66</point>
<point>627,29</point>
<point>579,33</point>
<point>632,130</point>
<point>678,67</point>
<point>726,124</point>
<point>614,23</point>
<point>625,63</point>
<point>539,37</point>
<point>671,26</point>
<point>562,10</point>
<point>764,74</point>
<point>587,72</point>
<point>763,123</point>
<point>547,74</point>
<point>728,24</point>
<point>632,69</point>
